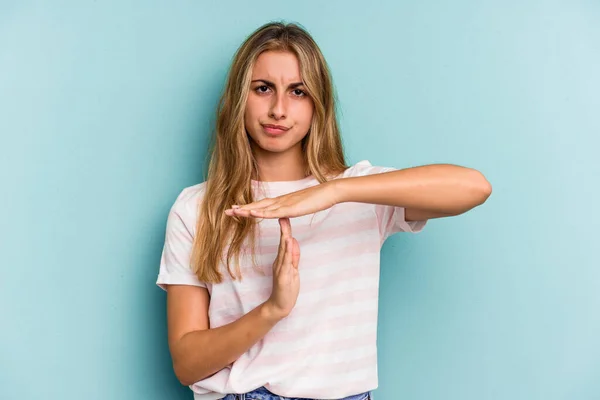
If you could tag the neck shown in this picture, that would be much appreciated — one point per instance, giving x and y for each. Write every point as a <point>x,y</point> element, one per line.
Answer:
<point>286,166</point>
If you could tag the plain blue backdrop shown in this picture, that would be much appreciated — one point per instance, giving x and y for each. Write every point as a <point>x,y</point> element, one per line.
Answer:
<point>105,114</point>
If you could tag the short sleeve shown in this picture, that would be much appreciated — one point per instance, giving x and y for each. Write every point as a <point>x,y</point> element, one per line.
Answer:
<point>390,219</point>
<point>175,268</point>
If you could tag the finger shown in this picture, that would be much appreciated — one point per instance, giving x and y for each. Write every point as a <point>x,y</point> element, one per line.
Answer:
<point>286,227</point>
<point>282,248</point>
<point>281,255</point>
<point>240,212</point>
<point>287,259</point>
<point>295,250</point>
<point>257,204</point>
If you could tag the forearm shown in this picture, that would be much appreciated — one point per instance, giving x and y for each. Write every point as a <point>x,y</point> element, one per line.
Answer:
<point>199,354</point>
<point>443,188</point>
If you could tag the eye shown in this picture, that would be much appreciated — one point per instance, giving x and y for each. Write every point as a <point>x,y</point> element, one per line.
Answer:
<point>262,89</point>
<point>299,93</point>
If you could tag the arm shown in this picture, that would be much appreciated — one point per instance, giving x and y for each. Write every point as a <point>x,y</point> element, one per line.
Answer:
<point>430,191</point>
<point>198,351</point>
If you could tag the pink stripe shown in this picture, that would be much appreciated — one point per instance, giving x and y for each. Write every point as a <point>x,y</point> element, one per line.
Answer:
<point>323,257</point>
<point>338,368</point>
<point>330,231</point>
<point>265,360</point>
<point>252,298</point>
<point>278,334</point>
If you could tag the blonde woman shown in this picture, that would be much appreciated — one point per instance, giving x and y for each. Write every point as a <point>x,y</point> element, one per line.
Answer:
<point>271,265</point>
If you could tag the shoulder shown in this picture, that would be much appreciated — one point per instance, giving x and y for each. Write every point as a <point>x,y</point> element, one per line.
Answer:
<point>187,201</point>
<point>363,168</point>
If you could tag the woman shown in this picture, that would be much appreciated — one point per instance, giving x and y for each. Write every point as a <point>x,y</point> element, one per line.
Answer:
<point>248,315</point>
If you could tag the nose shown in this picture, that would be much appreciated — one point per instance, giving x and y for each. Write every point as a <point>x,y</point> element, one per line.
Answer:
<point>278,107</point>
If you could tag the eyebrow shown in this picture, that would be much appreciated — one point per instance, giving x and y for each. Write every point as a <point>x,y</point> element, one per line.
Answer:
<point>272,85</point>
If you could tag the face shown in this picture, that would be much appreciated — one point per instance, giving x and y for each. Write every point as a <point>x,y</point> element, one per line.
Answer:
<point>278,110</point>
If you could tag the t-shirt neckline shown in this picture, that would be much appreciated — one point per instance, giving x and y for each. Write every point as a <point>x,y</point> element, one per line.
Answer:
<point>275,184</point>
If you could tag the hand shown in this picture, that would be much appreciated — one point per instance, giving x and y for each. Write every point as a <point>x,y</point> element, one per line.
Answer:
<point>286,279</point>
<point>295,204</point>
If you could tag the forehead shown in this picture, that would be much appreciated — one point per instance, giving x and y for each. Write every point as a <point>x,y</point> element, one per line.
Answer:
<point>277,66</point>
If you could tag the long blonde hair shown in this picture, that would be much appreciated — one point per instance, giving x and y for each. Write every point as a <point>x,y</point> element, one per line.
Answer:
<point>220,238</point>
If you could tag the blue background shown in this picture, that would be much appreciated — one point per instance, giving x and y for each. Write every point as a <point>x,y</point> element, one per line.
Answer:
<point>105,112</point>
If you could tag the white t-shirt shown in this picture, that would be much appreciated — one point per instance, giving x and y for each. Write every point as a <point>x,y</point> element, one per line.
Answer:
<point>326,347</point>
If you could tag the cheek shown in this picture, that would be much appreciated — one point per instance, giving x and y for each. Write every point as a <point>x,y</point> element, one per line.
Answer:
<point>250,111</point>
<point>306,113</point>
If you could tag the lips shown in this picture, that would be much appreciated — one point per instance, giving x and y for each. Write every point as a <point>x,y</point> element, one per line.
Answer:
<point>275,129</point>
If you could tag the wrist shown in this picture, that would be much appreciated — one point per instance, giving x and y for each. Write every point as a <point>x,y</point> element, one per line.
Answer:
<point>269,313</point>
<point>341,189</point>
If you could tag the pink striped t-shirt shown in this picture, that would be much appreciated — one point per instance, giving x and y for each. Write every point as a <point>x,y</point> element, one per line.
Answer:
<point>326,347</point>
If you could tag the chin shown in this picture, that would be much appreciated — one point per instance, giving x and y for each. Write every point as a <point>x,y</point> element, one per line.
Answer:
<point>275,149</point>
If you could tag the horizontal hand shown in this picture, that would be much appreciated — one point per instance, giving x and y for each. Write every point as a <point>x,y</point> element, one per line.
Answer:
<point>295,204</point>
